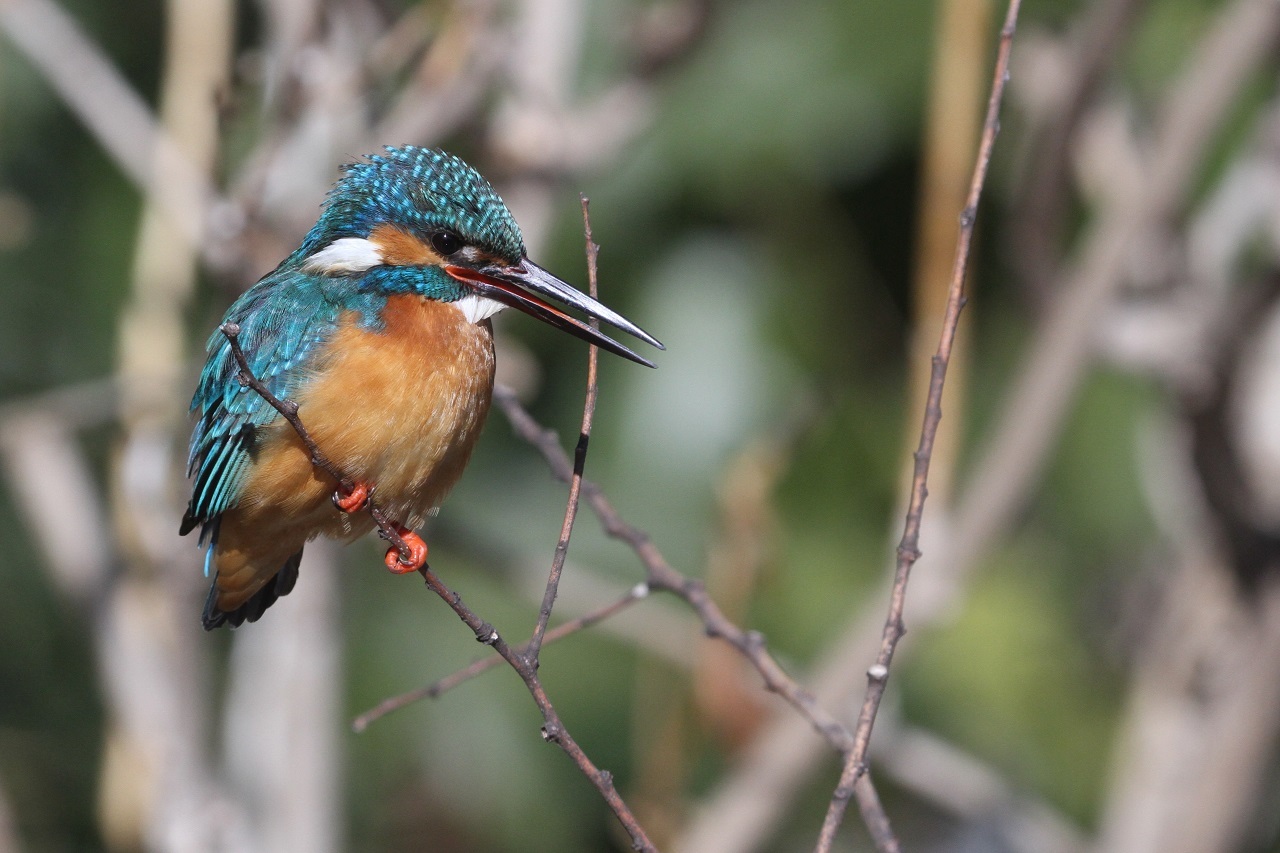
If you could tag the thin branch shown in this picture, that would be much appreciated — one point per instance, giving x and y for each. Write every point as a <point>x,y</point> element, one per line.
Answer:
<point>579,457</point>
<point>387,528</point>
<point>553,729</point>
<point>444,685</point>
<point>1232,51</point>
<point>909,550</point>
<point>287,408</point>
<point>661,576</point>
<point>873,815</point>
<point>526,667</point>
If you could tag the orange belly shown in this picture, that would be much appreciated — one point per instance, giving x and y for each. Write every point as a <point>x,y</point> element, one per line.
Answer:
<point>399,408</point>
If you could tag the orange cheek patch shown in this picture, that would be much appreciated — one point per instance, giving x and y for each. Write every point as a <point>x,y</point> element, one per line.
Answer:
<point>400,248</point>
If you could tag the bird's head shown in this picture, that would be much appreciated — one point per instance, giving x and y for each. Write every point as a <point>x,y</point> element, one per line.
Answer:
<point>417,220</point>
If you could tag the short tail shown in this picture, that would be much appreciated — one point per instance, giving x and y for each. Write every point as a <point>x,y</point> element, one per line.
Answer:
<point>251,611</point>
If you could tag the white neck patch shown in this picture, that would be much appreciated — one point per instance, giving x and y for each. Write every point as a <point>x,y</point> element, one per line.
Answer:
<point>344,255</point>
<point>476,308</point>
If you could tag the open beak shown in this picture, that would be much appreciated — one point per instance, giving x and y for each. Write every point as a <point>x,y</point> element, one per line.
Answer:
<point>521,285</point>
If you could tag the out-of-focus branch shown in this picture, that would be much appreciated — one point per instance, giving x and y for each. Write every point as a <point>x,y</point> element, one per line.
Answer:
<point>1043,194</point>
<point>1203,712</point>
<point>953,127</point>
<point>156,777</point>
<point>741,546</point>
<point>1202,720</point>
<point>57,493</point>
<point>950,779</point>
<point>281,735</point>
<point>8,832</point>
<point>456,71</point>
<point>113,112</point>
<point>1240,40</point>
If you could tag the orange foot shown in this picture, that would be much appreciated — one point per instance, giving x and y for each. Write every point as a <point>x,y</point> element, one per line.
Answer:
<point>417,553</point>
<point>354,500</point>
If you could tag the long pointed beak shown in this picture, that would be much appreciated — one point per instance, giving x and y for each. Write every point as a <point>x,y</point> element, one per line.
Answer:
<point>520,285</point>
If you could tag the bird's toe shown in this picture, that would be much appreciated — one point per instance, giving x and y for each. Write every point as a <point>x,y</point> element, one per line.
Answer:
<point>354,500</point>
<point>417,558</point>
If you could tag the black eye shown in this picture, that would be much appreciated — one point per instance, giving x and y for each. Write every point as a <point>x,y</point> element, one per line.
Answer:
<point>445,242</point>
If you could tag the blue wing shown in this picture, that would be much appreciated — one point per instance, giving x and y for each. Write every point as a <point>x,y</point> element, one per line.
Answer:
<point>283,319</point>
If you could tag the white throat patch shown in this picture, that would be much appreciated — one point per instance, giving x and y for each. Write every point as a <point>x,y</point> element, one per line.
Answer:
<point>476,308</point>
<point>346,254</point>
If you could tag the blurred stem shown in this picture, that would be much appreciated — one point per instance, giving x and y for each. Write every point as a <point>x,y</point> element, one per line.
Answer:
<point>952,126</point>
<point>724,692</point>
<point>1035,232</point>
<point>153,776</point>
<point>151,329</point>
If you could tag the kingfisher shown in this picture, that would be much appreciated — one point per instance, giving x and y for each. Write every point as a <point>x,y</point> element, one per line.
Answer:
<point>378,328</point>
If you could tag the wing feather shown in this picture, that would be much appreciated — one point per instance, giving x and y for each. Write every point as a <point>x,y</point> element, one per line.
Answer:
<point>283,320</point>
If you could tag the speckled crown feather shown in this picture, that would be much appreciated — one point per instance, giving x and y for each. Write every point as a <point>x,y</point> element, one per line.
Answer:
<point>421,189</point>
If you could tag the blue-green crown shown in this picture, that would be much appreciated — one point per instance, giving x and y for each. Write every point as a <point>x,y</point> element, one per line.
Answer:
<point>423,190</point>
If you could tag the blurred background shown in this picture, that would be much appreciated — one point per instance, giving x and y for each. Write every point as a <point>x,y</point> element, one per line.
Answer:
<point>1093,661</point>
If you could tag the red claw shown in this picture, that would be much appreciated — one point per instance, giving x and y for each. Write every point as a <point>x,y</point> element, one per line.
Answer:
<point>354,500</point>
<point>417,553</point>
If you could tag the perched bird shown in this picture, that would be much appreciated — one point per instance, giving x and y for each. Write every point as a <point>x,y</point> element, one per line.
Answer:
<point>378,328</point>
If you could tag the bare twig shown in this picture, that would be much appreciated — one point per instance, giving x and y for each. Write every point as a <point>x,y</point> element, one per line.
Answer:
<point>908,549</point>
<point>579,457</point>
<point>287,408</point>
<point>443,685</point>
<point>553,729</point>
<point>525,667</point>
<point>1232,50</point>
<point>661,576</point>
<point>873,815</point>
<point>387,528</point>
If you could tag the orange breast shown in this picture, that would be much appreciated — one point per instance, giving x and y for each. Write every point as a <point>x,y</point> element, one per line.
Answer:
<point>400,408</point>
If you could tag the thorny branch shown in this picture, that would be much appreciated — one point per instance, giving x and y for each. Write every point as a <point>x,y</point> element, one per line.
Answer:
<point>909,548</point>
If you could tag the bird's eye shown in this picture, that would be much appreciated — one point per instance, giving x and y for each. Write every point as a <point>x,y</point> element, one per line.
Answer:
<point>446,242</point>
